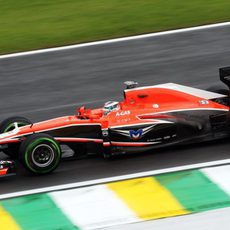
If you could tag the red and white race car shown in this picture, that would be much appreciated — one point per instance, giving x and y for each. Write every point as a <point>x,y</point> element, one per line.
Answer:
<point>148,117</point>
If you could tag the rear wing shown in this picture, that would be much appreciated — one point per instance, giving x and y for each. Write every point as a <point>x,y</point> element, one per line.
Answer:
<point>225,78</point>
<point>225,75</point>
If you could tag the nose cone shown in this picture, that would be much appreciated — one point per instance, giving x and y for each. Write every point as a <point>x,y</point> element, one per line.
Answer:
<point>7,168</point>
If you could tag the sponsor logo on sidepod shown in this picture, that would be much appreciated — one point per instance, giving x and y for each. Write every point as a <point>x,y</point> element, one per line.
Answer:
<point>135,135</point>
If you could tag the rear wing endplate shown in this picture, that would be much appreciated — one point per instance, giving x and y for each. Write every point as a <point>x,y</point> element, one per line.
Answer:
<point>225,75</point>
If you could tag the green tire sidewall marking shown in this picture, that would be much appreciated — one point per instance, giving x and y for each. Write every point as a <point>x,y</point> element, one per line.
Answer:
<point>34,143</point>
<point>12,124</point>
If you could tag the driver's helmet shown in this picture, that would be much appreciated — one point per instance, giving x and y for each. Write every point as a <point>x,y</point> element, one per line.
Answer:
<point>110,106</point>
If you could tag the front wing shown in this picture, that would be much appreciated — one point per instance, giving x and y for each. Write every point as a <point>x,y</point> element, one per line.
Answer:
<point>7,168</point>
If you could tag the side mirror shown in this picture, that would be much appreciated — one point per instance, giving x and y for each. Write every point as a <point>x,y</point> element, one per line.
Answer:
<point>81,110</point>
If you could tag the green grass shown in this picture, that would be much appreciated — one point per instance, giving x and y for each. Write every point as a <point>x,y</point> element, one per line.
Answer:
<point>27,25</point>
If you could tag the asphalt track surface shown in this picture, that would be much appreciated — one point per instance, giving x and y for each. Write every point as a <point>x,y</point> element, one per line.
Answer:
<point>53,84</point>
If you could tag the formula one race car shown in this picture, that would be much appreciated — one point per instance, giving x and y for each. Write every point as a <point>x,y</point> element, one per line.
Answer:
<point>147,118</point>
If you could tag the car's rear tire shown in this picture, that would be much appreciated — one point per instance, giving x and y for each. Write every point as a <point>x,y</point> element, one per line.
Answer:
<point>40,154</point>
<point>7,125</point>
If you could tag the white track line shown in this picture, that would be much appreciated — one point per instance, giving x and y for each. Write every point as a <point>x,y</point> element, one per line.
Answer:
<point>116,178</point>
<point>40,51</point>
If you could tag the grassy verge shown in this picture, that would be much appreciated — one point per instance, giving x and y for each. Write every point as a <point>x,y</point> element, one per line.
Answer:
<point>27,25</point>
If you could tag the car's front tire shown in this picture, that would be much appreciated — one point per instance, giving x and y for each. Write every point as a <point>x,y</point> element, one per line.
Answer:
<point>40,154</point>
<point>8,125</point>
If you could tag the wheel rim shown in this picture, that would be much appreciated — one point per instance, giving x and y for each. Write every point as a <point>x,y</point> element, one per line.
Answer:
<point>42,155</point>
